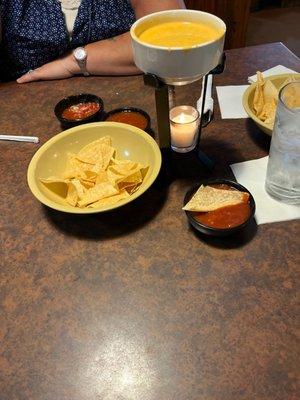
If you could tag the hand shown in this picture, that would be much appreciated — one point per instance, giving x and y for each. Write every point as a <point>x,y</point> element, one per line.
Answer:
<point>59,69</point>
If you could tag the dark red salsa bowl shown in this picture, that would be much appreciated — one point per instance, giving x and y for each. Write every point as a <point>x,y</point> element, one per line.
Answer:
<point>130,115</point>
<point>79,109</point>
<point>211,230</point>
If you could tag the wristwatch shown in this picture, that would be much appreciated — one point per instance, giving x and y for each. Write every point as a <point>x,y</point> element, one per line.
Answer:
<point>80,56</point>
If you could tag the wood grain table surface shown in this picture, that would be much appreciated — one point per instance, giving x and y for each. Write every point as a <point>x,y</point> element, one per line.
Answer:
<point>134,304</point>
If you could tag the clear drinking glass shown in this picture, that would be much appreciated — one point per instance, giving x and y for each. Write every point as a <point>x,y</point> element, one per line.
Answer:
<point>283,172</point>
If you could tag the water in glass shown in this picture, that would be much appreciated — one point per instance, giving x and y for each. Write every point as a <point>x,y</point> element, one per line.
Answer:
<point>283,172</point>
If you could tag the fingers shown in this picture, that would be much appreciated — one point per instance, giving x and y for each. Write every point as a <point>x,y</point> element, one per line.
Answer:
<point>53,70</point>
<point>30,76</point>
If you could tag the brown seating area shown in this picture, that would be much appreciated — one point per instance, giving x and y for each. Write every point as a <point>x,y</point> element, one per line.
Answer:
<point>252,22</point>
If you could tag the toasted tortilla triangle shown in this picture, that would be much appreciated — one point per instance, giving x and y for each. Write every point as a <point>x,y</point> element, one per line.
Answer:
<point>208,198</point>
<point>270,92</point>
<point>258,100</point>
<point>94,177</point>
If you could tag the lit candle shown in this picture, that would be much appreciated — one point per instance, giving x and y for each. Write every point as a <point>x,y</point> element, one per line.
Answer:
<point>184,125</point>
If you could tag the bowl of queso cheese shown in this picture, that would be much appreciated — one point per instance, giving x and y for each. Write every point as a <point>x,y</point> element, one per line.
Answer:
<point>79,109</point>
<point>179,46</point>
<point>219,207</point>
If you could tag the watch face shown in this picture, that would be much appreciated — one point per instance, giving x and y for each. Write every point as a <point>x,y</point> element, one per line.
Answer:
<point>80,54</point>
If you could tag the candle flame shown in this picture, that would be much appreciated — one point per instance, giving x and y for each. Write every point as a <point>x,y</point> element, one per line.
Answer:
<point>182,118</point>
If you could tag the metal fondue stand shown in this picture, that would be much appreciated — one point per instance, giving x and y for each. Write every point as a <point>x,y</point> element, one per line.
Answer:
<point>162,93</point>
<point>166,68</point>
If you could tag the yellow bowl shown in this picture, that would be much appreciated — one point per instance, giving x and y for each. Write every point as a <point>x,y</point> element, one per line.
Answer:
<point>130,142</point>
<point>248,97</point>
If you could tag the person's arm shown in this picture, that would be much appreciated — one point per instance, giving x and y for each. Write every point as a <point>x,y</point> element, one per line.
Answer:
<point>106,57</point>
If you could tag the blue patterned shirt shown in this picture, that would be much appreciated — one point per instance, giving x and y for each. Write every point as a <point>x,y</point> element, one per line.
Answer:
<point>34,31</point>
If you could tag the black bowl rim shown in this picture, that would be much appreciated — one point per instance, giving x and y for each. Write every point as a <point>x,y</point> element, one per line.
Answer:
<point>201,227</point>
<point>74,98</point>
<point>130,109</point>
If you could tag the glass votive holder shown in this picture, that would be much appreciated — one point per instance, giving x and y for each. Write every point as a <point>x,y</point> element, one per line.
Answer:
<point>184,128</point>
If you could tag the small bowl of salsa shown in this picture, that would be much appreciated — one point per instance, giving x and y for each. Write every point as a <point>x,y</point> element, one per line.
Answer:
<point>225,220</point>
<point>130,115</point>
<point>79,109</point>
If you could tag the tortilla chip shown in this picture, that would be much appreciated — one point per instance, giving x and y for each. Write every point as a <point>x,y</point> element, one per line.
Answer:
<point>130,164</point>
<point>102,177</point>
<point>57,185</point>
<point>98,192</point>
<point>94,177</point>
<point>75,168</point>
<point>110,200</point>
<point>96,151</point>
<point>90,176</point>
<point>72,195</point>
<point>130,181</point>
<point>270,92</point>
<point>258,100</point>
<point>80,189</point>
<point>136,177</point>
<point>90,146</point>
<point>268,112</point>
<point>208,198</point>
<point>131,188</point>
<point>53,179</point>
<point>266,98</point>
<point>87,184</point>
<point>144,171</point>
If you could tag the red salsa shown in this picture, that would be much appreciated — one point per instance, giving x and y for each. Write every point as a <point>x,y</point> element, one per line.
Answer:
<point>129,117</point>
<point>225,217</point>
<point>80,110</point>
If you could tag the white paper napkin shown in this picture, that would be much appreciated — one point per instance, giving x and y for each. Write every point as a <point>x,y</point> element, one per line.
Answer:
<point>230,101</point>
<point>278,70</point>
<point>252,175</point>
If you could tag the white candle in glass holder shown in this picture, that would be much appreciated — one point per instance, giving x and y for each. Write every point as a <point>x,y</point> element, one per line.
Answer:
<point>184,125</point>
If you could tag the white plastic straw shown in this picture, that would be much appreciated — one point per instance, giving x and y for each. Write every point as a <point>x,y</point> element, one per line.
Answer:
<point>31,139</point>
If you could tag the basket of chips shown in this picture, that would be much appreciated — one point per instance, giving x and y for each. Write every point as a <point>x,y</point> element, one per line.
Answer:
<point>94,167</point>
<point>261,98</point>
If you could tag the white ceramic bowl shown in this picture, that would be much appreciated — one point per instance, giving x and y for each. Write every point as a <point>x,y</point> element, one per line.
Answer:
<point>177,65</point>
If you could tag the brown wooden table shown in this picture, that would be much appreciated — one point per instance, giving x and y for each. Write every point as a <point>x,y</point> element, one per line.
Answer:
<point>133,304</point>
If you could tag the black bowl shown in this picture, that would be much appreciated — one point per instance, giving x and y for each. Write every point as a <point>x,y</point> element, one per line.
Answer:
<point>75,99</point>
<point>217,231</point>
<point>128,110</point>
